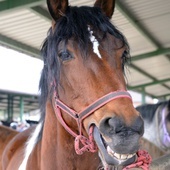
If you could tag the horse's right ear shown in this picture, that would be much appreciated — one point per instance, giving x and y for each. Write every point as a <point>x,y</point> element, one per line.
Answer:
<point>57,8</point>
<point>107,6</point>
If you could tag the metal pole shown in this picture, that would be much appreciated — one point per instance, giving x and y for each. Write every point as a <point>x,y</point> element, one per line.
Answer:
<point>21,108</point>
<point>10,108</point>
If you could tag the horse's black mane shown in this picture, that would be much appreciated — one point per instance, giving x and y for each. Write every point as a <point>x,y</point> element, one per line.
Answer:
<point>148,110</point>
<point>73,24</point>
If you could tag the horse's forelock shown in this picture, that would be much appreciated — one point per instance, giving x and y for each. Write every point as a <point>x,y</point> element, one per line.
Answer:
<point>75,24</point>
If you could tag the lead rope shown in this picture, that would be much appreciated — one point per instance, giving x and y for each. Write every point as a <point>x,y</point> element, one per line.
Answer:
<point>143,161</point>
<point>89,145</point>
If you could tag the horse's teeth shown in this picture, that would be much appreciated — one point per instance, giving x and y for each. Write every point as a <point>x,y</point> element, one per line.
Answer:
<point>109,150</point>
<point>124,156</point>
<point>119,156</point>
<point>130,155</point>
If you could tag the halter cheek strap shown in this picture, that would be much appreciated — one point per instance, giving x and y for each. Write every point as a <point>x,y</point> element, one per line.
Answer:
<point>88,144</point>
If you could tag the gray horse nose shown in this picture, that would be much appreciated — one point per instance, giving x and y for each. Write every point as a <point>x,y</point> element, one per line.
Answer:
<point>116,126</point>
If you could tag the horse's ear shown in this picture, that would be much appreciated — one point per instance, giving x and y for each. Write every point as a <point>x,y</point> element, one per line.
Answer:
<point>57,8</point>
<point>107,6</point>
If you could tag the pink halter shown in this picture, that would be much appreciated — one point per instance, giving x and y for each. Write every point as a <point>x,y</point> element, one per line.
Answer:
<point>88,144</point>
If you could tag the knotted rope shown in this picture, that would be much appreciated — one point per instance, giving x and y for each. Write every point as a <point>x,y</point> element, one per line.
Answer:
<point>88,144</point>
<point>143,161</point>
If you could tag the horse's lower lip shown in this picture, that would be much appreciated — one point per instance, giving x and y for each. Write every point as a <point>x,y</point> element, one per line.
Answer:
<point>111,157</point>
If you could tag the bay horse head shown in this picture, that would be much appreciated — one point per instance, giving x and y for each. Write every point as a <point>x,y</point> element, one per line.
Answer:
<point>83,75</point>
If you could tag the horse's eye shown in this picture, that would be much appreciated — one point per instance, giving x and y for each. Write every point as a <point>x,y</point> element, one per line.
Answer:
<point>124,54</point>
<point>65,56</point>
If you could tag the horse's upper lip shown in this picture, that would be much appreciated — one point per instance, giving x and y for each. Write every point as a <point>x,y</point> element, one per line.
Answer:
<point>110,157</point>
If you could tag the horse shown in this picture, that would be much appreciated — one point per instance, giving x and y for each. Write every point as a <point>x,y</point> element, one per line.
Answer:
<point>88,120</point>
<point>157,125</point>
<point>6,134</point>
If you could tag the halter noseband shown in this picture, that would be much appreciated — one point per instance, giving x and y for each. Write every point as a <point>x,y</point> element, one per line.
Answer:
<point>88,144</point>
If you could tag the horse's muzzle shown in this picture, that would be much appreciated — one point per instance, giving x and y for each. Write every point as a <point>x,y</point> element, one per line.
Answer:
<point>117,142</point>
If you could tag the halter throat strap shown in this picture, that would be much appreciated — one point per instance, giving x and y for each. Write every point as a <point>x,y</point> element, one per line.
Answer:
<point>89,144</point>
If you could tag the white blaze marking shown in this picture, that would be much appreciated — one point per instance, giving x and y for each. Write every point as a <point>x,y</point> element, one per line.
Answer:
<point>95,43</point>
<point>30,146</point>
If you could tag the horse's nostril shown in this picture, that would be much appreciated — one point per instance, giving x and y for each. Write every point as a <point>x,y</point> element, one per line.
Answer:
<point>106,127</point>
<point>115,125</point>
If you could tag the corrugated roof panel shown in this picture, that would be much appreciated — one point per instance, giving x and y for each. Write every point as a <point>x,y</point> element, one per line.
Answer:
<point>168,83</point>
<point>159,27</point>
<point>154,16</point>
<point>81,3</point>
<point>156,66</point>
<point>26,27</point>
<point>148,9</point>
<point>15,15</point>
<point>138,43</point>
<point>135,78</point>
<point>157,90</point>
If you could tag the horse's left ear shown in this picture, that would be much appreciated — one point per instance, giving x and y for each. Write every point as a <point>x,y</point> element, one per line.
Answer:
<point>107,6</point>
<point>57,8</point>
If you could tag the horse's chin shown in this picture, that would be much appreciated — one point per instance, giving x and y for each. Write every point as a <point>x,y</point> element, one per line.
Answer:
<point>110,158</point>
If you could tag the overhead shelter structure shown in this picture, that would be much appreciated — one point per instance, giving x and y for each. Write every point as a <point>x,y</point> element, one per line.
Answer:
<point>15,104</point>
<point>146,25</point>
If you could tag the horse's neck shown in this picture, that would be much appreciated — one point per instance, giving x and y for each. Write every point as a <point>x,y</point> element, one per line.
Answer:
<point>150,129</point>
<point>57,147</point>
<point>150,132</point>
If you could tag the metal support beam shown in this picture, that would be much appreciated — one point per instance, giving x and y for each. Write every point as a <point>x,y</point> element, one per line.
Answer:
<point>5,111</point>
<point>10,108</point>
<point>18,46</point>
<point>166,96</point>
<point>149,84</point>
<point>42,12</point>
<point>161,51</point>
<point>143,72</point>
<point>21,108</point>
<point>15,4</point>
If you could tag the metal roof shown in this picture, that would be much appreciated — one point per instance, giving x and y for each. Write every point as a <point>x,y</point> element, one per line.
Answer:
<point>24,26</point>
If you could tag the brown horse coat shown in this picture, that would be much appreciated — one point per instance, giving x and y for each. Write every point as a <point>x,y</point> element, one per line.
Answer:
<point>6,135</point>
